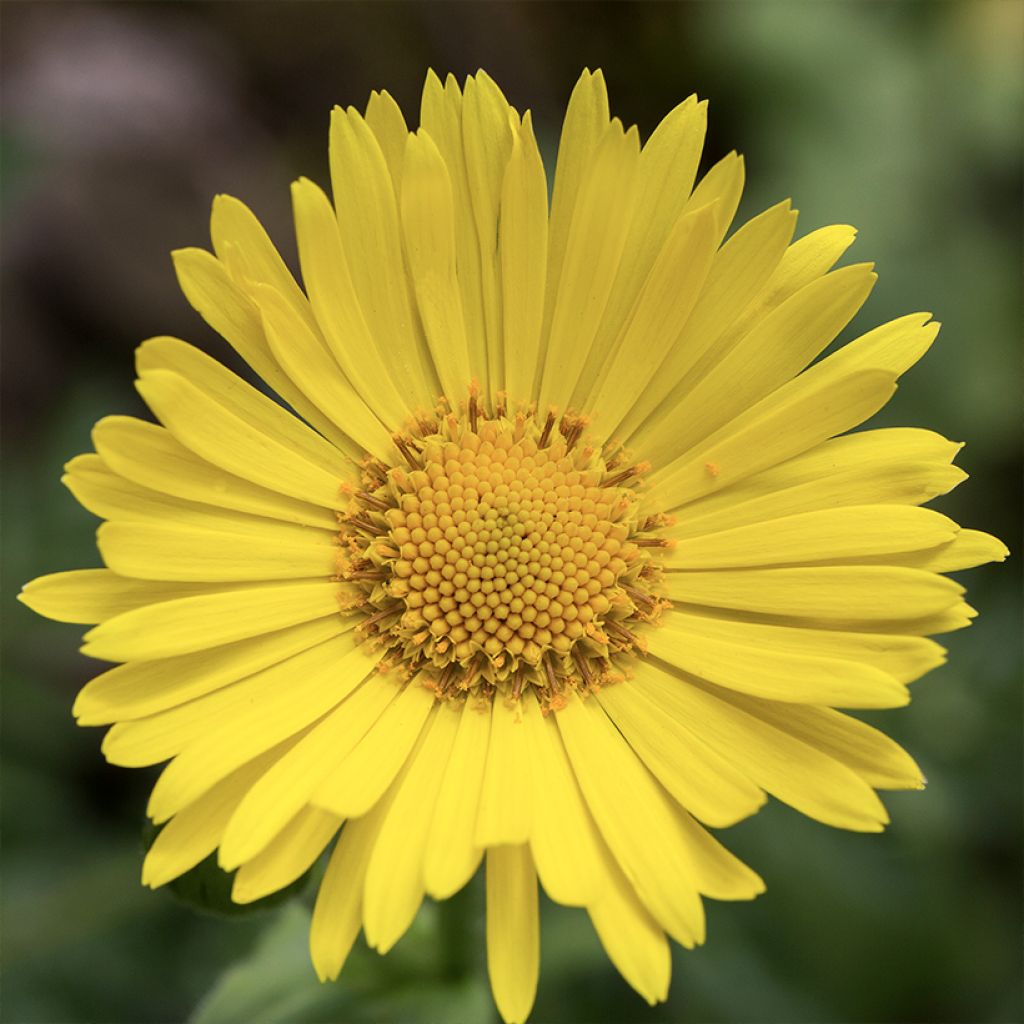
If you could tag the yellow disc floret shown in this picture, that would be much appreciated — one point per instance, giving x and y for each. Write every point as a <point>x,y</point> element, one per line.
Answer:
<point>504,554</point>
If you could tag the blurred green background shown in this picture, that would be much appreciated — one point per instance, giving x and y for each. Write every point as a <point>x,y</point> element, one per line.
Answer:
<point>120,122</point>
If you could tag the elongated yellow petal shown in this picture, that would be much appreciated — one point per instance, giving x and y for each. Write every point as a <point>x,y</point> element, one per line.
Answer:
<point>288,856</point>
<point>506,804</point>
<point>223,304</point>
<point>970,548</point>
<point>393,889</point>
<point>779,675</point>
<point>563,839</point>
<point>287,787</point>
<point>872,593</point>
<point>333,296</point>
<point>723,185</point>
<point>428,224</point>
<point>658,318</point>
<point>905,658</point>
<point>186,624</point>
<point>451,854</point>
<point>513,931</point>
<point>316,681</point>
<point>441,117</point>
<point>143,688</point>
<point>523,252</point>
<point>339,904</point>
<point>216,434</point>
<point>775,350</point>
<point>364,199</point>
<point>193,834</point>
<point>361,779</point>
<point>488,123</point>
<point>827,535</point>
<point>111,496</point>
<point>88,596</point>
<point>792,771</point>
<point>169,552</point>
<point>665,174</point>
<point>738,271</point>
<point>309,362</point>
<point>880,761</point>
<point>159,736</point>
<point>240,398</point>
<point>794,419</point>
<point>631,937</point>
<point>699,778</point>
<point>149,455</point>
<point>718,873</point>
<point>593,249</point>
<point>385,119</point>
<point>634,818</point>
<point>585,125</point>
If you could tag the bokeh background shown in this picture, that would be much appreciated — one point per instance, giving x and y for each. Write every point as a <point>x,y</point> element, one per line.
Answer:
<point>122,120</point>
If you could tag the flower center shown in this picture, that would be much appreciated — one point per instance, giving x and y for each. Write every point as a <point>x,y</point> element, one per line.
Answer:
<point>504,554</point>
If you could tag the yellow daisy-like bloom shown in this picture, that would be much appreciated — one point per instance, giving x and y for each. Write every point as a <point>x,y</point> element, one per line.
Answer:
<point>562,558</point>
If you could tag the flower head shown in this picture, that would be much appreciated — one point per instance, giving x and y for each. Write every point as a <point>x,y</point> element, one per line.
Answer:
<point>563,555</point>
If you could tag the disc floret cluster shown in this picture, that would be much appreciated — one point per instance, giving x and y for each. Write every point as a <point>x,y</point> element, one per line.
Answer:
<point>506,552</point>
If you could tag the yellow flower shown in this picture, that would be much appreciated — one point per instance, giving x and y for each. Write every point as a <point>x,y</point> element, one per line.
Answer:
<point>562,558</point>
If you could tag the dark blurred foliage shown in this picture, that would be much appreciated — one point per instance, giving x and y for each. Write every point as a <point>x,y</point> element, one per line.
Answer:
<point>120,122</point>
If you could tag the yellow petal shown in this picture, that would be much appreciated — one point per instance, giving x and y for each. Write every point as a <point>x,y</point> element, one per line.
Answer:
<point>506,812</point>
<point>718,873</point>
<point>385,119</point>
<point>488,123</point>
<point>723,184</point>
<point>186,624</point>
<point>339,903</point>
<point>635,819</point>
<point>364,199</point>
<point>451,854</point>
<point>523,251</point>
<point>393,889</point>
<point>290,696</point>
<point>738,271</point>
<point>223,304</point>
<point>827,535</point>
<point>870,593</point>
<point>361,779</point>
<point>143,688</point>
<point>428,223</point>
<point>513,931</point>
<point>335,301</point>
<point>193,834</point>
<point>878,760</point>
<point>149,455</point>
<point>287,787</point>
<point>657,320</point>
<point>441,114</point>
<point>586,124</point>
<point>159,736</point>
<point>772,353</point>
<point>216,434</point>
<point>159,551</point>
<point>665,174</point>
<point>906,658</point>
<point>88,596</point>
<point>290,854</point>
<point>593,249</point>
<point>631,937</point>
<point>792,771</point>
<point>792,420</point>
<point>563,839</point>
<point>699,778</point>
<point>308,361</point>
<point>970,548</point>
